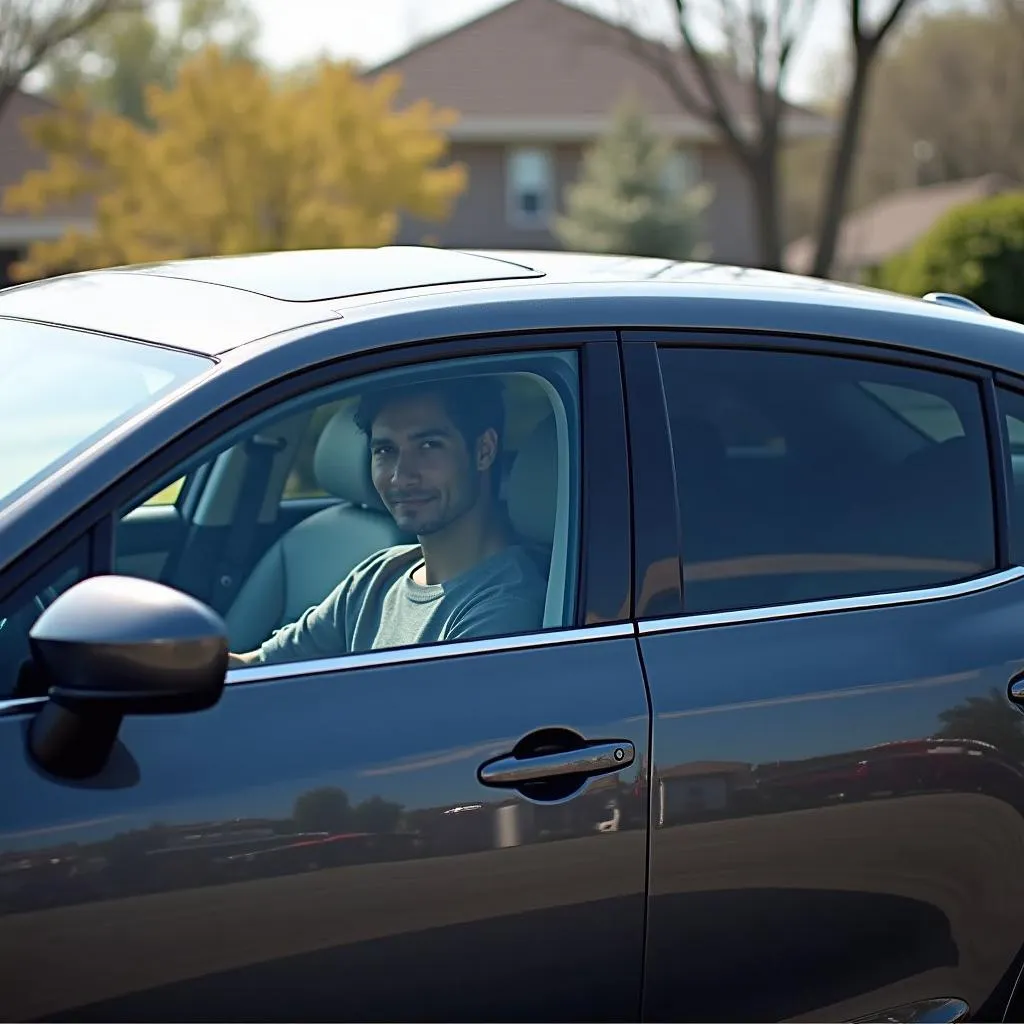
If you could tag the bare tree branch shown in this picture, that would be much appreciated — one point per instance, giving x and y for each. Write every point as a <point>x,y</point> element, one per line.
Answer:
<point>738,91</point>
<point>721,113</point>
<point>31,29</point>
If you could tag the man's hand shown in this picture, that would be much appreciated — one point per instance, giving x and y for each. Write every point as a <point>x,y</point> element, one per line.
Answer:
<point>243,660</point>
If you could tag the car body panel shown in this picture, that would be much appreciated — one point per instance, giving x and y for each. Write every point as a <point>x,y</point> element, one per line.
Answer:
<point>191,881</point>
<point>789,852</point>
<point>809,859</point>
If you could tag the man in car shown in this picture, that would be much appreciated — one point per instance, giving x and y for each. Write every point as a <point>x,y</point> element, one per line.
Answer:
<point>434,458</point>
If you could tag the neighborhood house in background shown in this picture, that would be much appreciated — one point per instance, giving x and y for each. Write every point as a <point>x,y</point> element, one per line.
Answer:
<point>523,127</point>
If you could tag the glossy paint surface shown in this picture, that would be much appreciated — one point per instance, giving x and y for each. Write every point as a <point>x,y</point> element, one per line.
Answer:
<point>319,848</point>
<point>838,811</point>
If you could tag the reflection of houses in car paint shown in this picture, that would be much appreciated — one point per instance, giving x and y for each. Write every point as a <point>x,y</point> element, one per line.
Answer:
<point>516,821</point>
<point>698,789</point>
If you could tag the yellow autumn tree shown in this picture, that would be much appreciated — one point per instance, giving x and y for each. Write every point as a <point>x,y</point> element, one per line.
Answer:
<point>237,162</point>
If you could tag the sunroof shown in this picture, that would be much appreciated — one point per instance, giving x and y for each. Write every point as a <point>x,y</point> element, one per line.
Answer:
<point>314,275</point>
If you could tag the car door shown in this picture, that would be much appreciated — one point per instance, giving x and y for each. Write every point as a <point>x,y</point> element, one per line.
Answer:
<point>837,780</point>
<point>320,844</point>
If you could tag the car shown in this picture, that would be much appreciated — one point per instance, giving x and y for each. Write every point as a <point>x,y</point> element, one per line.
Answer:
<point>769,528</point>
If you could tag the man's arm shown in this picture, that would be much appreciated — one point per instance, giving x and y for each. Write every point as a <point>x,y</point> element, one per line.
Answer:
<point>243,660</point>
<point>319,632</point>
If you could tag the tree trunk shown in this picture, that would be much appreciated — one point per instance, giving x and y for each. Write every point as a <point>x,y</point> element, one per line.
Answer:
<point>763,172</point>
<point>841,169</point>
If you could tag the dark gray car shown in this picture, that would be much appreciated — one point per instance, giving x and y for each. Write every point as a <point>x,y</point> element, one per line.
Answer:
<point>759,759</point>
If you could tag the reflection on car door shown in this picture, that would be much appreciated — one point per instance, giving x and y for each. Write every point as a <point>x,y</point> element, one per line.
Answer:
<point>318,846</point>
<point>837,780</point>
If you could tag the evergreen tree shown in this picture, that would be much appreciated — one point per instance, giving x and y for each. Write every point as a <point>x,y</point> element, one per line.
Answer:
<point>625,201</point>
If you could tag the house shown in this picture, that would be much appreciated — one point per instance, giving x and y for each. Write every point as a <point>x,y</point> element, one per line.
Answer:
<point>534,83</point>
<point>891,225</point>
<point>18,156</point>
<point>696,790</point>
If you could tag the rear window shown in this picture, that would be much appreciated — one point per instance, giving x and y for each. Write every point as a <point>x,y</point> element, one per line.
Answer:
<point>804,477</point>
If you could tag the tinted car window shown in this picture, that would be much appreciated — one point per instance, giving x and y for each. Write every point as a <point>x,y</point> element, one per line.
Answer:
<point>867,477</point>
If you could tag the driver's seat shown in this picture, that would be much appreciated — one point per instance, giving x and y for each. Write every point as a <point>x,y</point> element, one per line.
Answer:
<point>307,562</point>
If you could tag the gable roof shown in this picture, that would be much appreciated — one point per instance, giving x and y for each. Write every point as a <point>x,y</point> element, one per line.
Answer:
<point>892,224</point>
<point>545,67</point>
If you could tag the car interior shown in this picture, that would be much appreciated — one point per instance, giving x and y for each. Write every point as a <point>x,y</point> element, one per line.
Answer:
<point>319,515</point>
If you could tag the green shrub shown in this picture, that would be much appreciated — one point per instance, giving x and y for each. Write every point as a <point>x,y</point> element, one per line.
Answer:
<point>976,250</point>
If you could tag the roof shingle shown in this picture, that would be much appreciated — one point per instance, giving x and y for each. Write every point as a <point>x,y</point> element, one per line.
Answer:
<point>545,59</point>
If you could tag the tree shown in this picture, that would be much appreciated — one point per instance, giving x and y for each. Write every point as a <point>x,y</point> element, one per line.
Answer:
<point>865,41</point>
<point>31,29</point>
<point>947,104</point>
<point>326,809</point>
<point>758,40</point>
<point>237,163</point>
<point>989,719</point>
<point>115,61</point>
<point>377,815</point>
<point>624,201</point>
<point>738,91</point>
<point>976,250</point>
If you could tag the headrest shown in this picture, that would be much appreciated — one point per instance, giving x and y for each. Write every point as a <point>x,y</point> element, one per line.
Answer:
<point>341,462</point>
<point>532,490</point>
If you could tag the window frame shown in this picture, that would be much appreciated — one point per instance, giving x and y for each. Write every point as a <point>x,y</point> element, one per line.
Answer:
<point>651,416</point>
<point>603,593</point>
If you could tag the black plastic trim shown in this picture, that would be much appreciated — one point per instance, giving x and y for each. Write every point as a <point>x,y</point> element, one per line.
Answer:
<point>657,573</point>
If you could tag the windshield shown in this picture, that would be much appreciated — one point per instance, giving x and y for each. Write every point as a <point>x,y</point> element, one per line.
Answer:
<point>62,390</point>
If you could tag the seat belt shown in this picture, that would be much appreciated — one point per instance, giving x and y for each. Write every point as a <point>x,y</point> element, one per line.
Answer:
<point>259,461</point>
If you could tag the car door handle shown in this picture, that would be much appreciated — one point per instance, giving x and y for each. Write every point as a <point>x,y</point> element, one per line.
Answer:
<point>593,759</point>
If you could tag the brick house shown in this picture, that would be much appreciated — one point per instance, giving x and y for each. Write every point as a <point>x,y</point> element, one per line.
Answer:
<point>534,82</point>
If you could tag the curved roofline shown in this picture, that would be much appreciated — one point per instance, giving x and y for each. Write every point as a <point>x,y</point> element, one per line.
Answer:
<point>187,305</point>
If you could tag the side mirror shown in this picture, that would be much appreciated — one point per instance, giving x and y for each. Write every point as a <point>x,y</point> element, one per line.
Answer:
<point>112,646</point>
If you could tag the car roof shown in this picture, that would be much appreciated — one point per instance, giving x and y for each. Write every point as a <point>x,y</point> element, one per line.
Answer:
<point>217,304</point>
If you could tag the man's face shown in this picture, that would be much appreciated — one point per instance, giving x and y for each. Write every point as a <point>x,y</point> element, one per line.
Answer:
<point>421,466</point>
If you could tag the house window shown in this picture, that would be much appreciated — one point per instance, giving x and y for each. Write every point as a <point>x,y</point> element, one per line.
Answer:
<point>682,171</point>
<point>531,187</point>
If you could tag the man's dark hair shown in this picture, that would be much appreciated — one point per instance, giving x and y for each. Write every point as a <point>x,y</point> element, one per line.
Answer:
<point>473,404</point>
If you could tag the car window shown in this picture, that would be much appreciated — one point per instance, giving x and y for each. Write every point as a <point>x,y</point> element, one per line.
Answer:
<point>449,510</point>
<point>880,482</point>
<point>1011,405</point>
<point>63,390</point>
<point>19,611</point>
<point>932,414</point>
